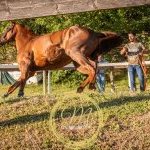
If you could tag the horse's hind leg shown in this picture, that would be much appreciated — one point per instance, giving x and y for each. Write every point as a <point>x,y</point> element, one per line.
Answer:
<point>86,81</point>
<point>92,84</point>
<point>84,71</point>
<point>85,67</point>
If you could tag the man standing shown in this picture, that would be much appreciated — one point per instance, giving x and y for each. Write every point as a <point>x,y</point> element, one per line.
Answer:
<point>100,76</point>
<point>134,51</point>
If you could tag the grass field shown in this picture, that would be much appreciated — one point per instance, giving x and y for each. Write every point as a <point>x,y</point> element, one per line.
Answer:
<point>25,122</point>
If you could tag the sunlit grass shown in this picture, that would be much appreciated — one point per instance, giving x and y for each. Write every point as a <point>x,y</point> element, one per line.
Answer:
<point>24,123</point>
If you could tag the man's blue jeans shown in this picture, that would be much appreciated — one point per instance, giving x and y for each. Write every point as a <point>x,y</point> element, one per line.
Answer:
<point>100,79</point>
<point>132,69</point>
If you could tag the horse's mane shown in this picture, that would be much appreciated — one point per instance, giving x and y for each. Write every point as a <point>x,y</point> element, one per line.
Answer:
<point>26,29</point>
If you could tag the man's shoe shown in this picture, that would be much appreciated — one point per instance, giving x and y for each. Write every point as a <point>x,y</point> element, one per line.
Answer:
<point>132,93</point>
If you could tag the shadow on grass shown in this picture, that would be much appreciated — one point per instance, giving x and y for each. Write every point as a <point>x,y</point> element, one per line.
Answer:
<point>25,119</point>
<point>13,100</point>
<point>45,116</point>
<point>18,99</point>
<point>123,100</point>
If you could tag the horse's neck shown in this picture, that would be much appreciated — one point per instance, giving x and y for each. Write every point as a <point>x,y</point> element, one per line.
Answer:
<point>23,36</point>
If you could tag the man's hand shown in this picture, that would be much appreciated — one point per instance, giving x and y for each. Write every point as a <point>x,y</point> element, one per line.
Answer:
<point>123,51</point>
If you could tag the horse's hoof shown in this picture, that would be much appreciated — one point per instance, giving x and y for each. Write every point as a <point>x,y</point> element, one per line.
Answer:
<point>20,96</point>
<point>80,90</point>
<point>5,95</point>
<point>92,86</point>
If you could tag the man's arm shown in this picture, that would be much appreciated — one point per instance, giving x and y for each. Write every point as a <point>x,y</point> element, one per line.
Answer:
<point>143,49</point>
<point>123,51</point>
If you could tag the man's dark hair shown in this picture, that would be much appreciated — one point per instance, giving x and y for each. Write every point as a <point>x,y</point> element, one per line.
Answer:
<point>132,33</point>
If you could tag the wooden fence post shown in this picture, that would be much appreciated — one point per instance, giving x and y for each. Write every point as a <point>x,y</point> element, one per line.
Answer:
<point>111,75</point>
<point>49,82</point>
<point>44,82</point>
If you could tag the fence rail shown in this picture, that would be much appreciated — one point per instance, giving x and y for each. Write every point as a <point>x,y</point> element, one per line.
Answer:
<point>11,67</point>
<point>19,9</point>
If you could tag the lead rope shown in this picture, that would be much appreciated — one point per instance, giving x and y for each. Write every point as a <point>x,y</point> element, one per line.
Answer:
<point>144,69</point>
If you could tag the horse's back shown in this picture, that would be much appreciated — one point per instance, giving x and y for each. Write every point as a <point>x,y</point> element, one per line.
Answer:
<point>80,39</point>
<point>47,51</point>
<point>54,48</point>
<point>58,40</point>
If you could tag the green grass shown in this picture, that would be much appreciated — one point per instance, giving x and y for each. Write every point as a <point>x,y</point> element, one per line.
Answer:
<point>24,123</point>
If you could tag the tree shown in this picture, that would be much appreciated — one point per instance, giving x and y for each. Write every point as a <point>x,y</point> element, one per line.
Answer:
<point>119,20</point>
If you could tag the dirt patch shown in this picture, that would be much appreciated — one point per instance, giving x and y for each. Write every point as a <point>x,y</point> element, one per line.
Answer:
<point>130,133</point>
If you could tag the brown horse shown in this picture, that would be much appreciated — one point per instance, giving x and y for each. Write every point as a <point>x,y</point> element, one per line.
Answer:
<point>55,50</point>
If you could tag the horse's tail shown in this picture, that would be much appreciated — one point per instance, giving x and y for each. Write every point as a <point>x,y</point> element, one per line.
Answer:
<point>106,42</point>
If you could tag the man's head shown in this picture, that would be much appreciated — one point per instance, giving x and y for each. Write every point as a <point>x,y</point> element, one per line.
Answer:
<point>132,37</point>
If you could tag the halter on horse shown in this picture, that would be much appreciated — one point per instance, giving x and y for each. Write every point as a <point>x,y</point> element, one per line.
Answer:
<point>55,50</point>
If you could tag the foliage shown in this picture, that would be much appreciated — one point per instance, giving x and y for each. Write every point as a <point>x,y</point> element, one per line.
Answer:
<point>119,20</point>
<point>71,78</point>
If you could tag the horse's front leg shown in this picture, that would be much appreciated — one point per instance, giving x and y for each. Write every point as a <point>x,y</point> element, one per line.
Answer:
<point>24,63</point>
<point>12,88</point>
<point>23,83</point>
<point>18,83</point>
<point>24,69</point>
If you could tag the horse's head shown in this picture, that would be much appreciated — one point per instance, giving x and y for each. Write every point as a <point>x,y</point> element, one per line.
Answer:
<point>9,34</point>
